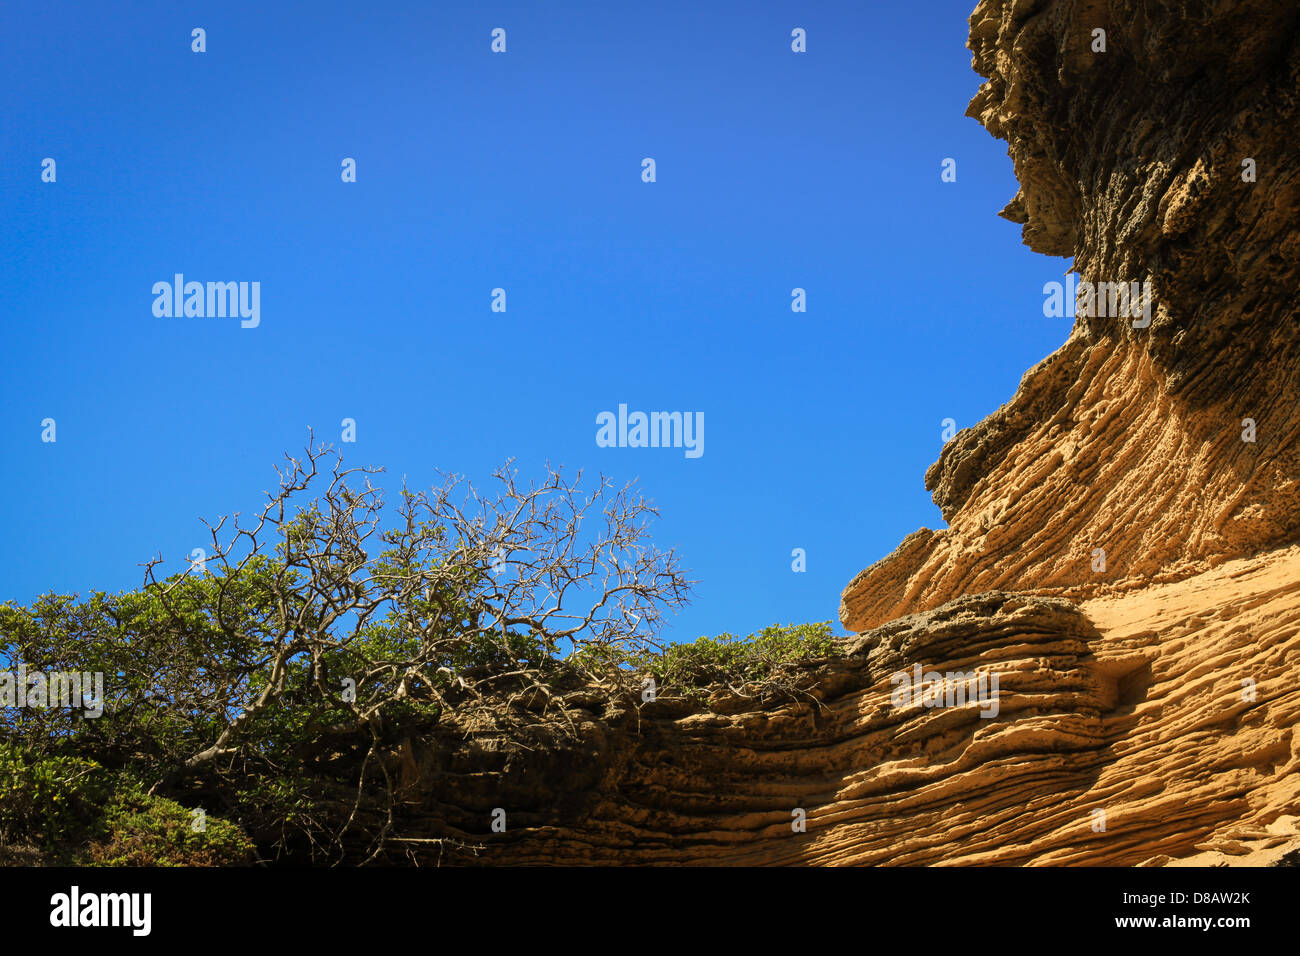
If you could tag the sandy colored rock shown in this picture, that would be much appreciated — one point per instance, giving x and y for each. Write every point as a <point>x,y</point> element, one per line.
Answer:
<point>1130,440</point>
<point>1171,710</point>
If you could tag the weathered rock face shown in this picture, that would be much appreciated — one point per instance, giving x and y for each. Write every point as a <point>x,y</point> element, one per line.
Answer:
<point>1135,729</point>
<point>1144,712</point>
<point>1131,439</point>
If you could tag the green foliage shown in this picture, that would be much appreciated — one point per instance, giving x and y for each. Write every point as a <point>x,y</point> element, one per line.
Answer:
<point>282,678</point>
<point>153,831</point>
<point>79,813</point>
<point>728,658</point>
<point>180,659</point>
<point>44,800</point>
<point>196,639</point>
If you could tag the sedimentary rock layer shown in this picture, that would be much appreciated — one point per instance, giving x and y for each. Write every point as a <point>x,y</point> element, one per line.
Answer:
<point>1171,447</point>
<point>1140,728</point>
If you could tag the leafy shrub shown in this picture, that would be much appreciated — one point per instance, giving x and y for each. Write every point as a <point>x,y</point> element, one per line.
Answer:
<point>279,677</point>
<point>78,812</point>
<point>153,831</point>
<point>45,800</point>
<point>731,659</point>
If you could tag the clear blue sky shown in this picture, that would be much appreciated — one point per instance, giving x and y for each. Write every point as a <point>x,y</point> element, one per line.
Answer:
<point>476,170</point>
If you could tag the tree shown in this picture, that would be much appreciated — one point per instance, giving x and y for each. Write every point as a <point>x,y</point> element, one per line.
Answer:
<point>315,624</point>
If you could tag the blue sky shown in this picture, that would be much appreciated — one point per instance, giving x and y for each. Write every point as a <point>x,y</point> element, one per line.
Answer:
<point>521,170</point>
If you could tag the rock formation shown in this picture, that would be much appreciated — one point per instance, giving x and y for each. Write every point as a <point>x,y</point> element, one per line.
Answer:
<point>1147,699</point>
<point>1122,737</point>
<point>1131,439</point>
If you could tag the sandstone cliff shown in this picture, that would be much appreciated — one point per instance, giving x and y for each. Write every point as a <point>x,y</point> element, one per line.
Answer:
<point>1146,705</point>
<point>1131,439</point>
<point>1131,706</point>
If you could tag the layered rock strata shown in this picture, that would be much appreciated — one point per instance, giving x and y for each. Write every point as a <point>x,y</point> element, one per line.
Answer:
<point>1145,728</point>
<point>1167,160</point>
